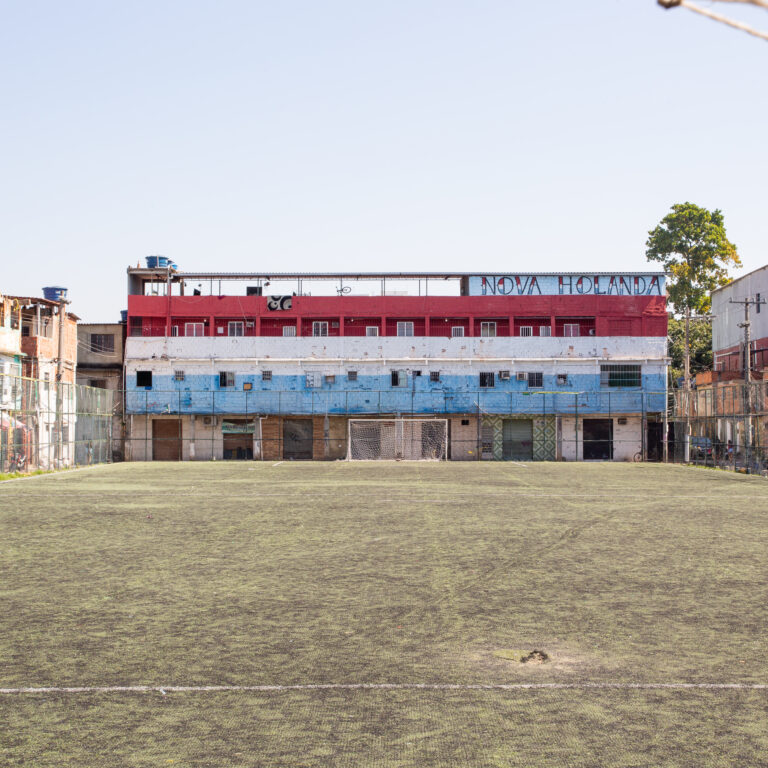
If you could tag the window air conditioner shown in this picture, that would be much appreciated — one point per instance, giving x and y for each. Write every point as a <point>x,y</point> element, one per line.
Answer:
<point>504,375</point>
<point>522,377</point>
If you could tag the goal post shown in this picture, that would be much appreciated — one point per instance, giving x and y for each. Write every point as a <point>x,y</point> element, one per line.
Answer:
<point>397,439</point>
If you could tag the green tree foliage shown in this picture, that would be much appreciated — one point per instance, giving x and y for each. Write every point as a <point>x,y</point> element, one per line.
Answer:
<point>691,244</point>
<point>700,337</point>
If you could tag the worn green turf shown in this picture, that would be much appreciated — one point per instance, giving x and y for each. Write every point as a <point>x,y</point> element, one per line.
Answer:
<point>243,573</point>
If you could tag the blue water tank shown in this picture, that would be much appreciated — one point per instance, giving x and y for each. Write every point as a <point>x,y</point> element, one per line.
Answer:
<point>151,262</point>
<point>55,293</point>
<point>157,262</point>
<point>123,315</point>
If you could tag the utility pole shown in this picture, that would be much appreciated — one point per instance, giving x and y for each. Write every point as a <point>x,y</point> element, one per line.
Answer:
<point>59,381</point>
<point>747,374</point>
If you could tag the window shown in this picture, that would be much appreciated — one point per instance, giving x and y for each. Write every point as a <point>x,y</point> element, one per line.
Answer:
<point>562,379</point>
<point>487,379</point>
<point>314,380</point>
<point>371,330</point>
<point>416,373</point>
<point>226,378</point>
<point>236,328</point>
<point>620,376</point>
<point>405,329</point>
<point>457,331</point>
<point>351,375</point>
<point>571,329</point>
<point>526,330</point>
<point>194,329</point>
<point>144,379</point>
<point>289,330</point>
<point>102,342</point>
<point>266,375</point>
<point>488,329</point>
<point>174,330</point>
<point>545,330</point>
<point>504,375</point>
<point>399,379</point>
<point>330,378</point>
<point>434,375</point>
<point>178,375</point>
<point>320,328</point>
<point>536,379</point>
<point>100,383</point>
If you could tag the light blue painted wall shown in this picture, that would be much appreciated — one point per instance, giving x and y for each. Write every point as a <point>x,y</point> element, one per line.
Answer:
<point>201,394</point>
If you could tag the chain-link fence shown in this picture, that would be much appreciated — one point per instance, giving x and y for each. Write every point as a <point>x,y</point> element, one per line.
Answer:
<point>722,425</point>
<point>312,423</point>
<point>50,425</point>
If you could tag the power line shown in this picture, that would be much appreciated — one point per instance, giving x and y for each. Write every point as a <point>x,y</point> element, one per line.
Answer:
<point>718,17</point>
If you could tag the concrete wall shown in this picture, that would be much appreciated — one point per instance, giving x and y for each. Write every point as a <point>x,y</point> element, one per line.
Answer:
<point>727,316</point>
<point>627,438</point>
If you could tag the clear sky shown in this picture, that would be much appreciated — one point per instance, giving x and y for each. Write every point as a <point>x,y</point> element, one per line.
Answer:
<point>483,135</point>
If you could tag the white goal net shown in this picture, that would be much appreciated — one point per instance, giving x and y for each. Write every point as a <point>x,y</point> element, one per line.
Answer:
<point>389,439</point>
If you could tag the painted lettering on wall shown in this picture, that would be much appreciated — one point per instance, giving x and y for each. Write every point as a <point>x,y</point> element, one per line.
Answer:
<point>567,285</point>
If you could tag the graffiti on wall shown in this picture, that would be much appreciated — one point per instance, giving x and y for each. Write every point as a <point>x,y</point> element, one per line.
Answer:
<point>567,285</point>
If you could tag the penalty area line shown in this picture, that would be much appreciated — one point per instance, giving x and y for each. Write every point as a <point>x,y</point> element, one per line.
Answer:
<point>164,689</point>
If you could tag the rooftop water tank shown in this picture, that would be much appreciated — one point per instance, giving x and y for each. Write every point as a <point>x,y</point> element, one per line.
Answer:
<point>55,293</point>
<point>155,262</point>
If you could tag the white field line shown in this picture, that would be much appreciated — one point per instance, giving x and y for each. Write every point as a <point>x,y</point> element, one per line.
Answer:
<point>278,464</point>
<point>381,687</point>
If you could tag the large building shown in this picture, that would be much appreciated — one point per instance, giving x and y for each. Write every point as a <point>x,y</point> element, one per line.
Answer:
<point>100,366</point>
<point>728,317</point>
<point>518,366</point>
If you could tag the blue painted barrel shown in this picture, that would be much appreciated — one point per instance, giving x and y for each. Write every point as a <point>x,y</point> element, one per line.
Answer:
<point>152,262</point>
<point>55,293</point>
<point>123,315</point>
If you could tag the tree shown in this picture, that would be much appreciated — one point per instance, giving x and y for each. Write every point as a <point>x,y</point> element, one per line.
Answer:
<point>691,244</point>
<point>700,346</point>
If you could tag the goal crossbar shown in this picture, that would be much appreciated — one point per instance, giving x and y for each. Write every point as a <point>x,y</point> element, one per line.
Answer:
<point>397,439</point>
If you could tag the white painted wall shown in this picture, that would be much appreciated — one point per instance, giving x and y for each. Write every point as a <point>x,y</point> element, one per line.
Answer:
<point>725,330</point>
<point>388,348</point>
<point>627,438</point>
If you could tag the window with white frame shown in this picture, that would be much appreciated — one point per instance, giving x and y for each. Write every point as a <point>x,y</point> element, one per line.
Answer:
<point>571,329</point>
<point>526,330</point>
<point>619,375</point>
<point>457,331</point>
<point>351,375</point>
<point>488,329</point>
<point>405,328</point>
<point>371,330</point>
<point>194,329</point>
<point>174,330</point>
<point>399,378</point>
<point>314,379</point>
<point>226,378</point>
<point>289,330</point>
<point>535,379</point>
<point>236,328</point>
<point>545,330</point>
<point>178,376</point>
<point>320,328</point>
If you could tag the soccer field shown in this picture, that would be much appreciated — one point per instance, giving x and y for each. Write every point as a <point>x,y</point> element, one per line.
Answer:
<point>375,615</point>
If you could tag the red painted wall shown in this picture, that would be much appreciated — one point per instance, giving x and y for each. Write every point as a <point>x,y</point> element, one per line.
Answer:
<point>608,315</point>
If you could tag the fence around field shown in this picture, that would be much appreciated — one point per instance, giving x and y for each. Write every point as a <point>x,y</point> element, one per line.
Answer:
<point>726,424</point>
<point>51,425</point>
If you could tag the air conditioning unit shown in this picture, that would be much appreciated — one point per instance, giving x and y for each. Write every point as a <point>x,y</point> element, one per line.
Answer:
<point>562,379</point>
<point>522,377</point>
<point>249,324</point>
<point>503,375</point>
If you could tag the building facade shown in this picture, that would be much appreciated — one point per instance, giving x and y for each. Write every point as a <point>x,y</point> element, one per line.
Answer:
<point>100,348</point>
<point>520,367</point>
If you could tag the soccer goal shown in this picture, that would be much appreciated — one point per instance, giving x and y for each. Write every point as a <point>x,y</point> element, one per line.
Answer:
<point>390,439</point>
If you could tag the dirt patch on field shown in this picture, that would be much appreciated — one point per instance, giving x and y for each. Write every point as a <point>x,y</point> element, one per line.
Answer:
<point>534,661</point>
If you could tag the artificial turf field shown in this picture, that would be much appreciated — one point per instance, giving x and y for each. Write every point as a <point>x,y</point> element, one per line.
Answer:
<point>294,574</point>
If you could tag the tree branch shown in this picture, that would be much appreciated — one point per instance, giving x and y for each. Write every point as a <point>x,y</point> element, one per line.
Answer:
<point>717,17</point>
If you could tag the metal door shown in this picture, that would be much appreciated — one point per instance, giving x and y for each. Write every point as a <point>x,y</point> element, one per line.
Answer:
<point>517,439</point>
<point>598,439</point>
<point>297,439</point>
<point>166,440</point>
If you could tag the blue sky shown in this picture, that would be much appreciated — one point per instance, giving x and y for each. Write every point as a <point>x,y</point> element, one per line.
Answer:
<point>326,135</point>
